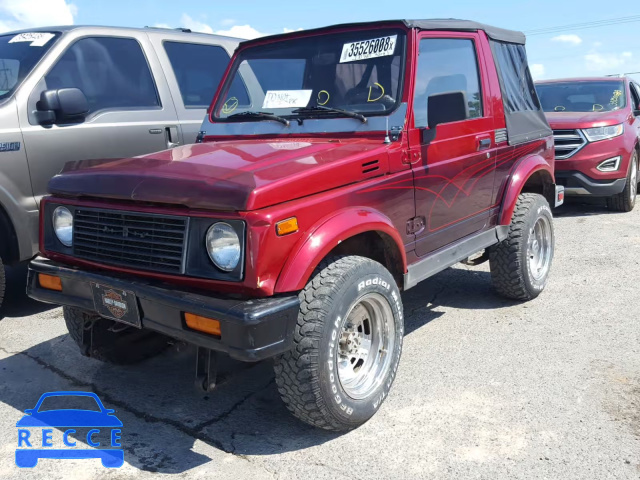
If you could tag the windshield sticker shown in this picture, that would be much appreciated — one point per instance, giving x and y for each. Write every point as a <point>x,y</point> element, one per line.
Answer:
<point>323,97</point>
<point>371,88</point>
<point>287,98</point>
<point>37,39</point>
<point>615,99</point>
<point>230,105</point>
<point>377,47</point>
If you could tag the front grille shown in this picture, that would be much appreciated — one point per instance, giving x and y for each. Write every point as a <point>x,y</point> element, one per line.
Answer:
<point>568,142</point>
<point>136,240</point>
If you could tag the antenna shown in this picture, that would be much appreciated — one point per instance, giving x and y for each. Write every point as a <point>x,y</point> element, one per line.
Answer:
<point>386,137</point>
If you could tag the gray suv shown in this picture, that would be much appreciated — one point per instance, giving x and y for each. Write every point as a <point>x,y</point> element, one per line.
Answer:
<point>75,93</point>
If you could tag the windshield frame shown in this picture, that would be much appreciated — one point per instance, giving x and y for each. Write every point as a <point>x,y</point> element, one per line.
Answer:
<point>47,48</point>
<point>613,81</point>
<point>239,57</point>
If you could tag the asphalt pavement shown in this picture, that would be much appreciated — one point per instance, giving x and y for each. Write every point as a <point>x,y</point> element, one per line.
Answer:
<point>487,388</point>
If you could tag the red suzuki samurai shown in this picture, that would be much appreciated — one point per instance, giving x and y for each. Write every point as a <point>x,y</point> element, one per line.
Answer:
<point>336,168</point>
<point>596,126</point>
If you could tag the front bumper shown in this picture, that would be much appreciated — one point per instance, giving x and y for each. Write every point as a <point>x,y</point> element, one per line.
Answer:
<point>577,183</point>
<point>251,330</point>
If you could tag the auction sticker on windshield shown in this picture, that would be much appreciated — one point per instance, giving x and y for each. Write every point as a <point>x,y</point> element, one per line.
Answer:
<point>286,98</point>
<point>377,47</point>
<point>37,39</point>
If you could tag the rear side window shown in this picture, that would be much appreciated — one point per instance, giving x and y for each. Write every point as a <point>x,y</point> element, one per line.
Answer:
<point>198,69</point>
<point>446,65</point>
<point>113,73</point>
<point>518,90</point>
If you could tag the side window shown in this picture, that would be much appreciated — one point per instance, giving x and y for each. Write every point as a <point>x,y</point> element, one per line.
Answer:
<point>518,91</point>
<point>198,69</point>
<point>635,97</point>
<point>113,73</point>
<point>446,65</point>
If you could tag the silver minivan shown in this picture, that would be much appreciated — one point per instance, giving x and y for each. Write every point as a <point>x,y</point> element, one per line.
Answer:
<point>75,93</point>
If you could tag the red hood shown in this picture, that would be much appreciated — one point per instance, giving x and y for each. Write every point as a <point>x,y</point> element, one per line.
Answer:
<point>235,175</point>
<point>570,120</point>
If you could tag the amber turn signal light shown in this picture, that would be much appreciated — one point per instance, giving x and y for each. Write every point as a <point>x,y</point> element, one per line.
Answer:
<point>285,227</point>
<point>50,282</point>
<point>203,324</point>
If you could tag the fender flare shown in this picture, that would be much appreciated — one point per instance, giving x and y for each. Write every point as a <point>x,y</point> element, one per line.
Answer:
<point>316,244</point>
<point>521,174</point>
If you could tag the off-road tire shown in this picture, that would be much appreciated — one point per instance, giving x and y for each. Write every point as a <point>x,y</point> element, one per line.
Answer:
<point>626,200</point>
<point>510,268</point>
<point>2,282</point>
<point>307,376</point>
<point>110,341</point>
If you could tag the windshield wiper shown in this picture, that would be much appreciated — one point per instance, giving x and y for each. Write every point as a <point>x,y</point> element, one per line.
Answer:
<point>320,108</point>
<point>261,116</point>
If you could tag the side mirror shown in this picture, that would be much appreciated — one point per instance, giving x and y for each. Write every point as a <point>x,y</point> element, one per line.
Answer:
<point>63,105</point>
<point>29,411</point>
<point>444,107</point>
<point>636,113</point>
<point>447,107</point>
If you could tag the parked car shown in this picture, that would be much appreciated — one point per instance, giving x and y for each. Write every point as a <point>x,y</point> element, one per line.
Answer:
<point>76,93</point>
<point>354,162</point>
<point>596,127</point>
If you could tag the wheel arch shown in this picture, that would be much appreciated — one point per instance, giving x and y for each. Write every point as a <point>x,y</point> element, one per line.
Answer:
<point>9,246</point>
<point>359,231</point>
<point>533,174</point>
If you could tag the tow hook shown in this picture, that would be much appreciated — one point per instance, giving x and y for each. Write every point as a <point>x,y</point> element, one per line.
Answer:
<point>206,369</point>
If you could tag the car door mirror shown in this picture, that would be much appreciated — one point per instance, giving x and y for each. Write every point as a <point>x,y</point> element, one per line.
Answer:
<point>636,113</point>
<point>29,411</point>
<point>447,107</point>
<point>65,105</point>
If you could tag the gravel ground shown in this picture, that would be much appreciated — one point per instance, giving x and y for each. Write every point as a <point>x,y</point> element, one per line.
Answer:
<point>487,388</point>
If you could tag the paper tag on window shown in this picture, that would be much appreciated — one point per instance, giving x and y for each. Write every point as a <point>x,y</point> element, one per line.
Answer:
<point>376,47</point>
<point>37,39</point>
<point>286,98</point>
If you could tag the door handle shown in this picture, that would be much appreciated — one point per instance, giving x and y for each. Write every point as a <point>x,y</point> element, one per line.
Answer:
<point>171,134</point>
<point>483,143</point>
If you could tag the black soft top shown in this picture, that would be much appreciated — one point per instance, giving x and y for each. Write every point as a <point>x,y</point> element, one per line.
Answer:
<point>450,24</point>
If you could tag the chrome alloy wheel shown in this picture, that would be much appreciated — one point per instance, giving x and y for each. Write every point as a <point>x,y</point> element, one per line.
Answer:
<point>634,180</point>
<point>539,248</point>
<point>366,344</point>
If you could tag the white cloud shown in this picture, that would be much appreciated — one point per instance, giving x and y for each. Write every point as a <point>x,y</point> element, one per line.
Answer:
<point>607,63</point>
<point>21,14</point>
<point>537,70</point>
<point>573,40</point>
<point>194,25</point>
<point>289,30</point>
<point>239,31</point>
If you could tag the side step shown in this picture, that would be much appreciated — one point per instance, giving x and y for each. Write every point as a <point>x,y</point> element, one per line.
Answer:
<point>450,255</point>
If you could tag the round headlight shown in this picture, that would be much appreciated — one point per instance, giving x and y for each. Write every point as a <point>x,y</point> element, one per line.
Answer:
<point>223,246</point>
<point>63,225</point>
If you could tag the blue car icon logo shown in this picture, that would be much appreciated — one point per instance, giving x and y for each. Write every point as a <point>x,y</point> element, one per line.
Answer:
<point>36,431</point>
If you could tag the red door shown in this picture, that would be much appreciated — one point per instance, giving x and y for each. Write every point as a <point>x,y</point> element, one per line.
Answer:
<point>454,178</point>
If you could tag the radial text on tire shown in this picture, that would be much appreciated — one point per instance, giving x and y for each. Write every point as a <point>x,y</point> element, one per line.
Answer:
<point>348,341</point>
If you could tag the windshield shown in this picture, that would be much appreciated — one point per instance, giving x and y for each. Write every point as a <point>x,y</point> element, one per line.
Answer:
<point>357,71</point>
<point>602,96</point>
<point>19,53</point>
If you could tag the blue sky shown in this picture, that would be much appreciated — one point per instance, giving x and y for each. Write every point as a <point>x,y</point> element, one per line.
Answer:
<point>565,53</point>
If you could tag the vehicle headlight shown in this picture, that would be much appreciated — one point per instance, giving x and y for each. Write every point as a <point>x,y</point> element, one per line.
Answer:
<point>602,133</point>
<point>223,246</point>
<point>63,225</point>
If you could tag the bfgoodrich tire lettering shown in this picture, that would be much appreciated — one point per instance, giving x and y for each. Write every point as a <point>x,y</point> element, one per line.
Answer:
<point>514,271</point>
<point>308,376</point>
